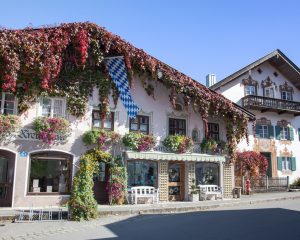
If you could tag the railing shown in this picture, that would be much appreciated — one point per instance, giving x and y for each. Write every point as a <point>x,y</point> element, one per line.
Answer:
<point>264,184</point>
<point>252,101</point>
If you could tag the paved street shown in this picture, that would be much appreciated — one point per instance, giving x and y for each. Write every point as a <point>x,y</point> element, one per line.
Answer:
<point>274,220</point>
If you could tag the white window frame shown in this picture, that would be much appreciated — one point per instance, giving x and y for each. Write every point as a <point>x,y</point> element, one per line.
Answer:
<point>284,133</point>
<point>250,90</point>
<point>286,164</point>
<point>2,96</point>
<point>287,93</point>
<point>263,131</point>
<point>40,112</point>
<point>270,90</point>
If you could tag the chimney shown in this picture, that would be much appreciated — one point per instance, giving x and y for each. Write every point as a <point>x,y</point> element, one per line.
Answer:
<point>211,79</point>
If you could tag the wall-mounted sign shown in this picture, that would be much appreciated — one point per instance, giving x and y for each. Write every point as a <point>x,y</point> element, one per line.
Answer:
<point>30,134</point>
<point>23,154</point>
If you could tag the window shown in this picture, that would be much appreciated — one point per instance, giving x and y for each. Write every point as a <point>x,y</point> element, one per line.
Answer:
<point>107,123</point>
<point>177,126</point>
<point>250,90</point>
<point>269,92</point>
<point>285,95</point>
<point>207,173</point>
<point>139,124</point>
<point>50,173</point>
<point>142,173</point>
<point>53,107</point>
<point>286,163</point>
<point>284,133</point>
<point>213,131</point>
<point>263,131</point>
<point>7,103</point>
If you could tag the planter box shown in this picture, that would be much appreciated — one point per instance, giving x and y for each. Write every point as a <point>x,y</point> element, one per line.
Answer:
<point>194,197</point>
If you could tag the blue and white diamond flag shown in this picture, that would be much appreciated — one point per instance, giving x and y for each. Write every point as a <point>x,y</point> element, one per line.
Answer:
<point>117,72</point>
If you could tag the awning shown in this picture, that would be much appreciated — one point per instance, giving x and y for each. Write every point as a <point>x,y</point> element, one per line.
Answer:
<point>154,155</point>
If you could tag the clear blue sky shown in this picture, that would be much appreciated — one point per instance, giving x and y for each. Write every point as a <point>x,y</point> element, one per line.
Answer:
<point>196,37</point>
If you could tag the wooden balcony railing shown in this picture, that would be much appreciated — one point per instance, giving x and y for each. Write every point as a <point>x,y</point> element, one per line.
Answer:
<point>271,104</point>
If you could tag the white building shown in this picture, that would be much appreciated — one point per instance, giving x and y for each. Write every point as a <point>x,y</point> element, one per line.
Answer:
<point>270,89</point>
<point>34,173</point>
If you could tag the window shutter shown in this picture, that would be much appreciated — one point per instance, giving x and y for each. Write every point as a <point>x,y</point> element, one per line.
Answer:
<point>279,163</point>
<point>291,136</point>
<point>299,133</point>
<point>277,132</point>
<point>271,131</point>
<point>293,163</point>
<point>257,131</point>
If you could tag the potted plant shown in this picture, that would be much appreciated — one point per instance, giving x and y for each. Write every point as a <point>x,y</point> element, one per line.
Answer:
<point>208,145</point>
<point>9,125</point>
<point>194,193</point>
<point>139,141</point>
<point>178,143</point>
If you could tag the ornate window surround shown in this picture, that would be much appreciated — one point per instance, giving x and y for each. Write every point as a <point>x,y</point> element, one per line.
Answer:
<point>250,82</point>
<point>286,88</point>
<point>263,121</point>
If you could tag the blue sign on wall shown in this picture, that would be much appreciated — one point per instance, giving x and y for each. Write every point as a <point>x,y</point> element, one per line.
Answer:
<point>23,154</point>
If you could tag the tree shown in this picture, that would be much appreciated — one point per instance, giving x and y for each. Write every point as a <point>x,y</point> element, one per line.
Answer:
<point>250,164</point>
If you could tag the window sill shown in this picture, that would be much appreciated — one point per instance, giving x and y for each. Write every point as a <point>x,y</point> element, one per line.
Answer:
<point>287,172</point>
<point>47,194</point>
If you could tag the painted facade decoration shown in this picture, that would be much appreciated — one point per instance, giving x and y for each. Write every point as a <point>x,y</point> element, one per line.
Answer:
<point>270,89</point>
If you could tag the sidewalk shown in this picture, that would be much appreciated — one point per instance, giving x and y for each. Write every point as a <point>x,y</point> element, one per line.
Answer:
<point>174,207</point>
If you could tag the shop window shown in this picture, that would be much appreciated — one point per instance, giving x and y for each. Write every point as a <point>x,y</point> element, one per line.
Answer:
<point>50,173</point>
<point>142,173</point>
<point>213,131</point>
<point>107,123</point>
<point>53,107</point>
<point>139,124</point>
<point>177,126</point>
<point>7,103</point>
<point>207,173</point>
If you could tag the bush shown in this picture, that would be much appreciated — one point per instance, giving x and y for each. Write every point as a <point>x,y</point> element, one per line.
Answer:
<point>178,143</point>
<point>101,138</point>
<point>82,203</point>
<point>297,182</point>
<point>250,164</point>
<point>9,124</point>
<point>208,144</point>
<point>138,141</point>
<point>50,130</point>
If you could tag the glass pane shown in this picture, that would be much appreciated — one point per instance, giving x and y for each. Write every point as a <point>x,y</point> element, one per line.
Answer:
<point>134,127</point>
<point>207,173</point>
<point>107,124</point>
<point>46,107</point>
<point>96,115</point>
<point>49,175</point>
<point>97,123</point>
<point>142,173</point>
<point>174,190</point>
<point>58,108</point>
<point>143,127</point>
<point>3,169</point>
<point>174,173</point>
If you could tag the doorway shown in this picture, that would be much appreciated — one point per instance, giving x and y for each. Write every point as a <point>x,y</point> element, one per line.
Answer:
<point>268,156</point>
<point>100,183</point>
<point>7,169</point>
<point>176,181</point>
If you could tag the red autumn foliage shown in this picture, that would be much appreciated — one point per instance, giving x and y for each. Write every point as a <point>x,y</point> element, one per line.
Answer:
<point>250,164</point>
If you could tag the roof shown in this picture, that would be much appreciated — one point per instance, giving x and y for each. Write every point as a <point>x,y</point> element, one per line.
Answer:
<point>277,59</point>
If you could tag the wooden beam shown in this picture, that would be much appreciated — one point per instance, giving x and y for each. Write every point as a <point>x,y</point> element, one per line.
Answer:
<point>281,112</point>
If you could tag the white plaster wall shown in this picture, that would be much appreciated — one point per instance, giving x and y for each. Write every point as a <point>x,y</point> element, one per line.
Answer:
<point>159,110</point>
<point>235,92</point>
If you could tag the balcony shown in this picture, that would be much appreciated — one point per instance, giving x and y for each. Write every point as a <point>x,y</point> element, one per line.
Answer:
<point>265,104</point>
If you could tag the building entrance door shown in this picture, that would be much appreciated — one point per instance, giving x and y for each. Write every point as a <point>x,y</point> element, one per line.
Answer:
<point>268,156</point>
<point>100,183</point>
<point>176,181</point>
<point>7,168</point>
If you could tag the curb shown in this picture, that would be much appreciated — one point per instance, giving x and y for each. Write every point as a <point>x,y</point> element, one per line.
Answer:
<point>192,208</point>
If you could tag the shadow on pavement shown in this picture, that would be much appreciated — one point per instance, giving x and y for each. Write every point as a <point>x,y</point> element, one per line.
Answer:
<point>254,224</point>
